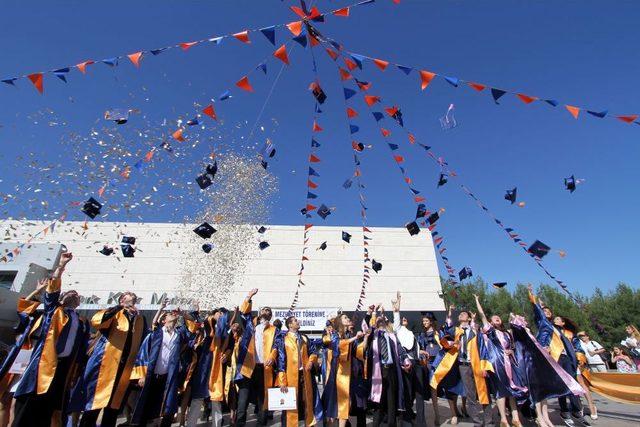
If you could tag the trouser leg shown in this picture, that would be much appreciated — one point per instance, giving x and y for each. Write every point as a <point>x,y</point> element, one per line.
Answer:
<point>474,408</point>
<point>216,414</point>
<point>195,410</point>
<point>244,388</point>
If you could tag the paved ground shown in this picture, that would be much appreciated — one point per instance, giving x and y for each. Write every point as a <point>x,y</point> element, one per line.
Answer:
<point>610,414</point>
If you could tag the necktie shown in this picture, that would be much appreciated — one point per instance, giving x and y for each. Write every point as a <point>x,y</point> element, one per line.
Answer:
<point>463,354</point>
<point>384,348</point>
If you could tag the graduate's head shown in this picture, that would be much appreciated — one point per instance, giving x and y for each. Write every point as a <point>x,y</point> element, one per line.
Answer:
<point>344,320</point>
<point>70,299</point>
<point>547,312</point>
<point>496,321</point>
<point>632,331</point>
<point>405,322</point>
<point>277,324</point>
<point>292,323</point>
<point>584,337</point>
<point>381,322</point>
<point>558,321</point>
<point>237,329</point>
<point>128,299</point>
<point>170,319</point>
<point>464,316</point>
<point>266,313</point>
<point>429,321</point>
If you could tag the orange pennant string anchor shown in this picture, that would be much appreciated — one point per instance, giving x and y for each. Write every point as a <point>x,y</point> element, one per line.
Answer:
<point>314,159</point>
<point>351,113</point>
<point>628,119</point>
<point>385,132</point>
<point>281,54</point>
<point>575,111</point>
<point>209,111</point>
<point>316,127</point>
<point>381,64</point>
<point>177,135</point>
<point>412,139</point>
<point>344,12</point>
<point>149,156</point>
<point>351,65</point>
<point>186,46</point>
<point>244,84</point>
<point>243,36</point>
<point>477,86</point>
<point>295,27</point>
<point>344,74</point>
<point>332,54</point>
<point>526,98</point>
<point>36,79</point>
<point>371,99</point>
<point>426,77</point>
<point>83,66</point>
<point>135,58</point>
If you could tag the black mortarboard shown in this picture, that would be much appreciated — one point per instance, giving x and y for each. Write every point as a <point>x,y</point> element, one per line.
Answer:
<point>442,180</point>
<point>117,115</point>
<point>538,249</point>
<point>204,230</point>
<point>499,285</point>
<point>413,228</point>
<point>570,183</point>
<point>106,250</point>
<point>262,229</point>
<point>464,273</point>
<point>192,122</point>
<point>318,93</point>
<point>323,246</point>
<point>347,183</point>
<point>346,237</point>
<point>207,247</point>
<point>127,250</point>
<point>204,181</point>
<point>433,218</point>
<point>511,195</point>
<point>377,266</point>
<point>92,208</point>
<point>212,169</point>
<point>263,245</point>
<point>422,211</point>
<point>324,211</point>
<point>128,240</point>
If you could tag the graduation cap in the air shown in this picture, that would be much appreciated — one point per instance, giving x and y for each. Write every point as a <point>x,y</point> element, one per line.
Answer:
<point>538,249</point>
<point>413,228</point>
<point>128,240</point>
<point>263,245</point>
<point>431,219</point>
<point>318,93</point>
<point>499,285</point>
<point>212,169</point>
<point>267,152</point>
<point>204,181</point>
<point>347,184</point>
<point>377,266</point>
<point>117,115</point>
<point>204,230</point>
<point>192,122</point>
<point>207,247</point>
<point>106,250</point>
<point>346,237</point>
<point>511,195</point>
<point>421,211</point>
<point>322,246</point>
<point>464,273</point>
<point>127,250</point>
<point>570,183</point>
<point>92,208</point>
<point>358,146</point>
<point>262,229</point>
<point>324,211</point>
<point>442,180</point>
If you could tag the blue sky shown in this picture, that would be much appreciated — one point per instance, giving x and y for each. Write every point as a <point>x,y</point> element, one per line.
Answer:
<point>580,53</point>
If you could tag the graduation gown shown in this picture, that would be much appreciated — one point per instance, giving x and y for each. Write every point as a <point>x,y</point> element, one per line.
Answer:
<point>373,361</point>
<point>110,364</point>
<point>504,379</point>
<point>220,344</point>
<point>199,377</point>
<point>295,350</point>
<point>147,361</point>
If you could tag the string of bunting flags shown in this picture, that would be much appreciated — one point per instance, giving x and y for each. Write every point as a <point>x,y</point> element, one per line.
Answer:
<point>51,227</point>
<point>269,32</point>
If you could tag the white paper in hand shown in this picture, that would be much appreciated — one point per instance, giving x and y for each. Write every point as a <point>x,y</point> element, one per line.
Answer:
<point>279,401</point>
<point>21,362</point>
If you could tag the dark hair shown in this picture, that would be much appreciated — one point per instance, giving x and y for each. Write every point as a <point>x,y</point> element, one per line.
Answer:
<point>432,319</point>
<point>277,323</point>
<point>466,311</point>
<point>570,324</point>
<point>289,320</point>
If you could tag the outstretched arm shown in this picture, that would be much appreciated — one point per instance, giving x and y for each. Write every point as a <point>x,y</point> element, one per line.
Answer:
<point>156,317</point>
<point>483,316</point>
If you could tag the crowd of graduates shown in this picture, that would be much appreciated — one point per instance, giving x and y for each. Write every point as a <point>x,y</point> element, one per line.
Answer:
<point>190,367</point>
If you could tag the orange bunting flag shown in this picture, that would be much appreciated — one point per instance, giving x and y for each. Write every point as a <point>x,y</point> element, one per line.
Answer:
<point>364,86</point>
<point>628,119</point>
<point>351,65</point>
<point>398,158</point>
<point>344,12</point>
<point>209,111</point>
<point>243,36</point>
<point>313,40</point>
<point>477,86</point>
<point>407,180</point>
<point>316,127</point>
<point>370,99</point>
<point>149,156</point>
<point>298,11</point>
<point>412,139</point>
<point>332,54</point>
<point>575,111</point>
<point>187,46</point>
<point>36,79</point>
<point>351,113</point>
<point>295,27</point>
<point>391,111</point>
<point>344,74</point>
<point>381,64</point>
<point>314,159</point>
<point>177,135</point>
<point>244,84</point>
<point>308,226</point>
<point>426,77</point>
<point>385,132</point>
<point>311,208</point>
<point>526,98</point>
<point>101,191</point>
<point>358,173</point>
<point>311,184</point>
<point>135,58</point>
<point>83,66</point>
<point>281,54</point>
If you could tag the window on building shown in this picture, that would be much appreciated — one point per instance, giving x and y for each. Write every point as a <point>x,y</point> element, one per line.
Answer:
<point>7,278</point>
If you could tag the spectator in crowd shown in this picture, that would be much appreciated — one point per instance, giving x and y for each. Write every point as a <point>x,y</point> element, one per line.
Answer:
<point>594,352</point>
<point>632,343</point>
<point>622,360</point>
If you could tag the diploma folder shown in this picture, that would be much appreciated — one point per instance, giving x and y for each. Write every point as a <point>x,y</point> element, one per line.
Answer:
<point>279,401</point>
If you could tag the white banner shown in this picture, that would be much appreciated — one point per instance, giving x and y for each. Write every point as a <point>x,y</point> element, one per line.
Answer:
<point>311,319</point>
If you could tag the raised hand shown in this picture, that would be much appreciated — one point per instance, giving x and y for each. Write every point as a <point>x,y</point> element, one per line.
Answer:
<point>65,257</point>
<point>252,292</point>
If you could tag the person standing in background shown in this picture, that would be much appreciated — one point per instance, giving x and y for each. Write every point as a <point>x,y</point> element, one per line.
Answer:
<point>594,353</point>
<point>632,343</point>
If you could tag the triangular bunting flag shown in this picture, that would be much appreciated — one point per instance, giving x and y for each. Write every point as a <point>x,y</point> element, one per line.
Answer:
<point>281,54</point>
<point>135,58</point>
<point>178,135</point>
<point>295,27</point>
<point>344,12</point>
<point>244,84</point>
<point>477,86</point>
<point>270,34</point>
<point>111,62</point>
<point>243,36</point>
<point>209,111</point>
<point>575,111</point>
<point>332,54</point>
<point>351,113</point>
<point>348,93</point>
<point>378,115</point>
<point>36,79</point>
<point>301,40</point>
<point>526,98</point>
<point>61,74</point>
<point>344,74</point>
<point>426,77</point>
<point>351,65</point>
<point>186,46</point>
<point>314,159</point>
<point>10,81</point>
<point>600,114</point>
<point>385,132</point>
<point>381,64</point>
<point>371,99</point>
<point>406,70</point>
<point>628,119</point>
<point>453,81</point>
<point>316,127</point>
<point>551,102</point>
<point>497,94</point>
<point>83,66</point>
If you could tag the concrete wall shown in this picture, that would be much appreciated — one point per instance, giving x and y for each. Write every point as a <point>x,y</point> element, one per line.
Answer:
<point>333,277</point>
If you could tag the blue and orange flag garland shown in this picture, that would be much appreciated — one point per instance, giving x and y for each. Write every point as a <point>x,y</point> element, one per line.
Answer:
<point>10,255</point>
